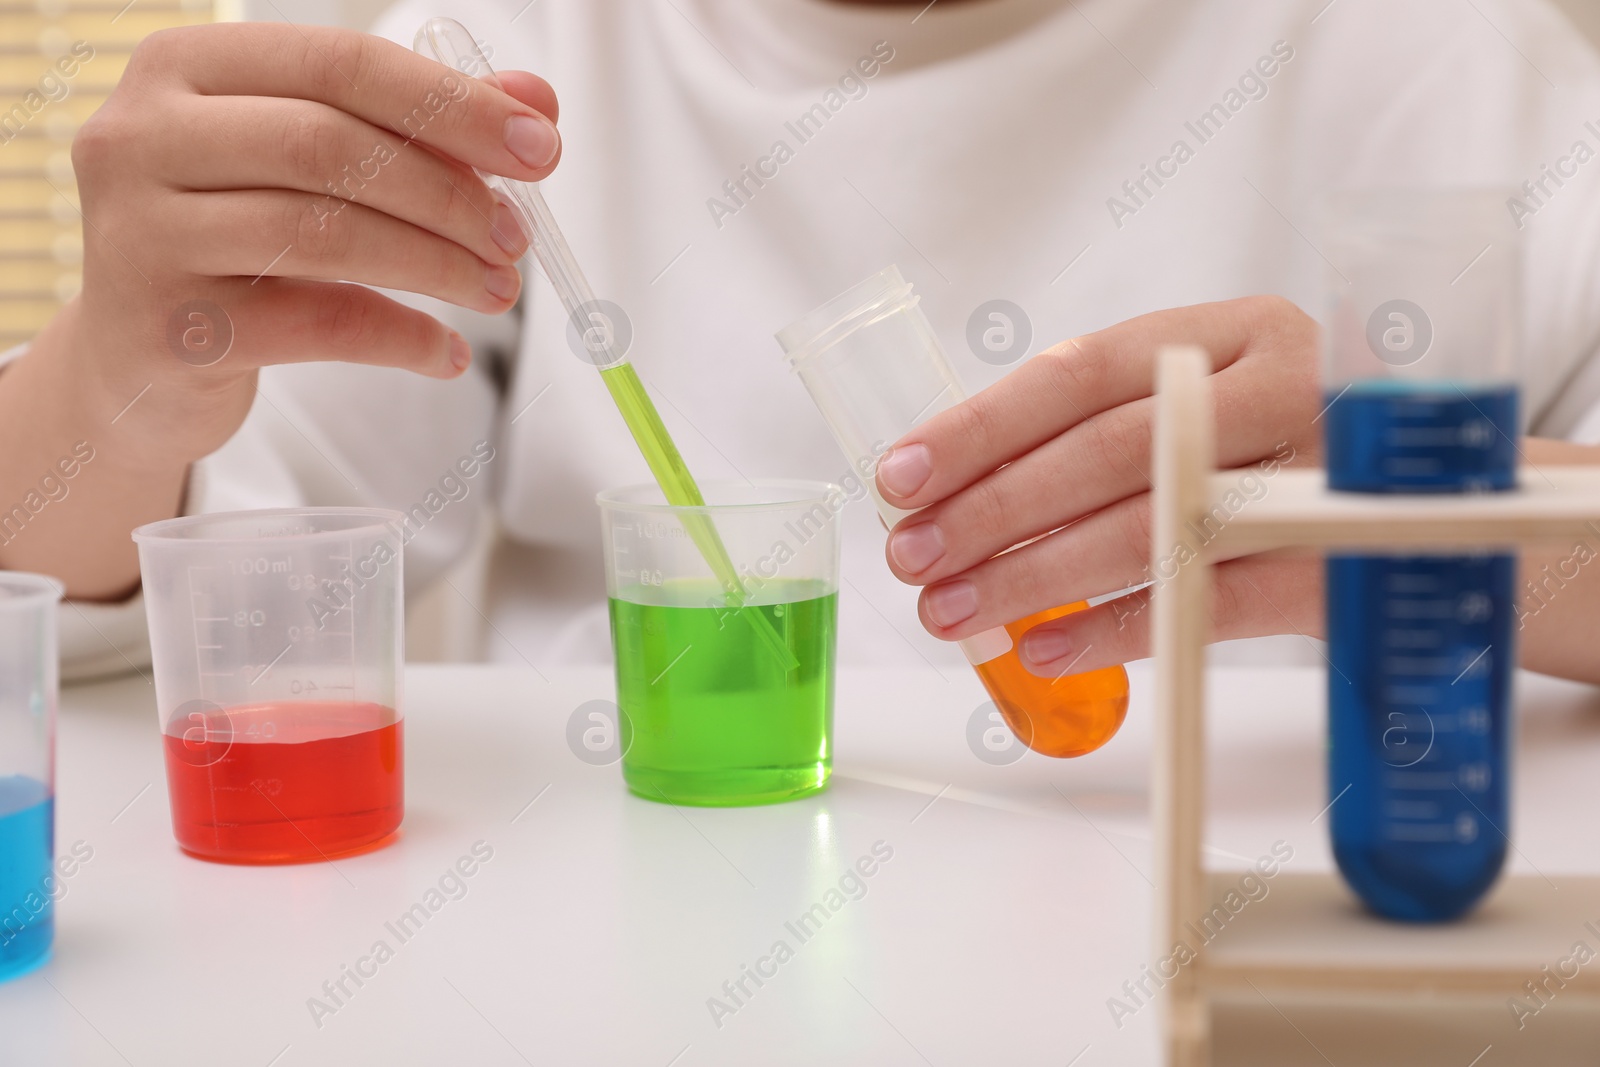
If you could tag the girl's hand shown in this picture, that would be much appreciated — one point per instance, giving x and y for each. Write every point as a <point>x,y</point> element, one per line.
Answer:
<point>240,177</point>
<point>1060,450</point>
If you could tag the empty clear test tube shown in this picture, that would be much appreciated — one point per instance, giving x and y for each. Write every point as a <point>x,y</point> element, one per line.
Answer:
<point>871,362</point>
<point>1422,398</point>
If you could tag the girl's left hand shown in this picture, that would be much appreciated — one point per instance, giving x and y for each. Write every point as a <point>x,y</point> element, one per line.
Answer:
<point>1062,448</point>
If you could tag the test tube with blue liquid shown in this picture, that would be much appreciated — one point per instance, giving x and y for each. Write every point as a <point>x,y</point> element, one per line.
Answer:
<point>28,886</point>
<point>1422,397</point>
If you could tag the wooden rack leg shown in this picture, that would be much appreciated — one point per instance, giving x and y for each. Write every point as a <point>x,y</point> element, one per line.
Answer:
<point>1183,451</point>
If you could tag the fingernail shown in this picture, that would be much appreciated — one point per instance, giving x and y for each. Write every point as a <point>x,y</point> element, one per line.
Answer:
<point>906,469</point>
<point>460,352</point>
<point>952,603</point>
<point>507,233</point>
<point>534,141</point>
<point>916,548</point>
<point>1045,647</point>
<point>502,283</point>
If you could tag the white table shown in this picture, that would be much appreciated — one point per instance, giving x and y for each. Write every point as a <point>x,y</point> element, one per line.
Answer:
<point>1016,902</point>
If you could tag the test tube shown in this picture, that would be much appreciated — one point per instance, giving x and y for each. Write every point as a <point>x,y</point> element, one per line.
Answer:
<point>1420,363</point>
<point>871,362</point>
<point>27,769</point>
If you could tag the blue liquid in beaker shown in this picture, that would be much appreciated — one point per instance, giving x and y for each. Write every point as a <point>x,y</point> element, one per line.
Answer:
<point>27,848</point>
<point>1421,655</point>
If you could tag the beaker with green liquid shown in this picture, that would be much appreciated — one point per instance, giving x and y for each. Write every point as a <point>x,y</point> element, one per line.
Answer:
<point>713,710</point>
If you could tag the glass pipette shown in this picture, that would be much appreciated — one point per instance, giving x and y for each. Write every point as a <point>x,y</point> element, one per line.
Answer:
<point>449,42</point>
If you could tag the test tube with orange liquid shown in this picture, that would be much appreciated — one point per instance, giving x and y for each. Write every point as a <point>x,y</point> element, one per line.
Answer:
<point>870,360</point>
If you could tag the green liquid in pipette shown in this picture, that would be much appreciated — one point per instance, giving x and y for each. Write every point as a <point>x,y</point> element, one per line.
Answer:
<point>672,474</point>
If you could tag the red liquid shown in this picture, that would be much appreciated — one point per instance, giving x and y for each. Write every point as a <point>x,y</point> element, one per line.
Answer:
<point>284,783</point>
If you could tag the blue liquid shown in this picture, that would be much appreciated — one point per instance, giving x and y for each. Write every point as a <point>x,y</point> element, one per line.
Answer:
<point>1392,437</point>
<point>1421,656</point>
<point>27,847</point>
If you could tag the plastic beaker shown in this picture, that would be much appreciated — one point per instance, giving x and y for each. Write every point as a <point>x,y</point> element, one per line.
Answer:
<point>871,362</point>
<point>27,769</point>
<point>277,639</point>
<point>711,713</point>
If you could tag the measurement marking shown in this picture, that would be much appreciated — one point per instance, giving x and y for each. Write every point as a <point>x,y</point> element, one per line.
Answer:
<point>930,803</point>
<point>132,402</point>
<point>530,404</point>
<point>671,665</point>
<point>130,803</point>
<point>273,664</point>
<point>1331,803</point>
<point>532,802</point>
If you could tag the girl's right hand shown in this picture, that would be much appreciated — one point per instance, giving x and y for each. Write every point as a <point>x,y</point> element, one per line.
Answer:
<point>239,180</point>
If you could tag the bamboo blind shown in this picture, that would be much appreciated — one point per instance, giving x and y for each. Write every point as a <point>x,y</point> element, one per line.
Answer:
<point>59,59</point>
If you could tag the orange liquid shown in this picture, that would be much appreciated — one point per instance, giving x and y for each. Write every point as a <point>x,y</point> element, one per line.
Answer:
<point>1065,716</point>
<point>289,782</point>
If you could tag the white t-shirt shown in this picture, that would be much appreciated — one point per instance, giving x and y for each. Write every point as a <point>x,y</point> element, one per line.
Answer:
<point>999,150</point>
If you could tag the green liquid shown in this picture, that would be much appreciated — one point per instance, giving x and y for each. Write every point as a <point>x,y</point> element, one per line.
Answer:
<point>672,474</point>
<point>709,716</point>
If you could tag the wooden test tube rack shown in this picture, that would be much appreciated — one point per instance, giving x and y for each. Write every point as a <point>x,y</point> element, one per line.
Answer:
<point>1307,939</point>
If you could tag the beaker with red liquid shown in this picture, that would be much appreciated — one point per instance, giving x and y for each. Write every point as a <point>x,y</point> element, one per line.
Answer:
<point>277,640</point>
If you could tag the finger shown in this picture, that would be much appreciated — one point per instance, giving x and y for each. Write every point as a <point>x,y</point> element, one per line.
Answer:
<point>1256,596</point>
<point>389,86</point>
<point>286,321</point>
<point>1055,391</point>
<point>1096,463</point>
<point>533,91</point>
<point>1107,551</point>
<point>262,142</point>
<point>280,234</point>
